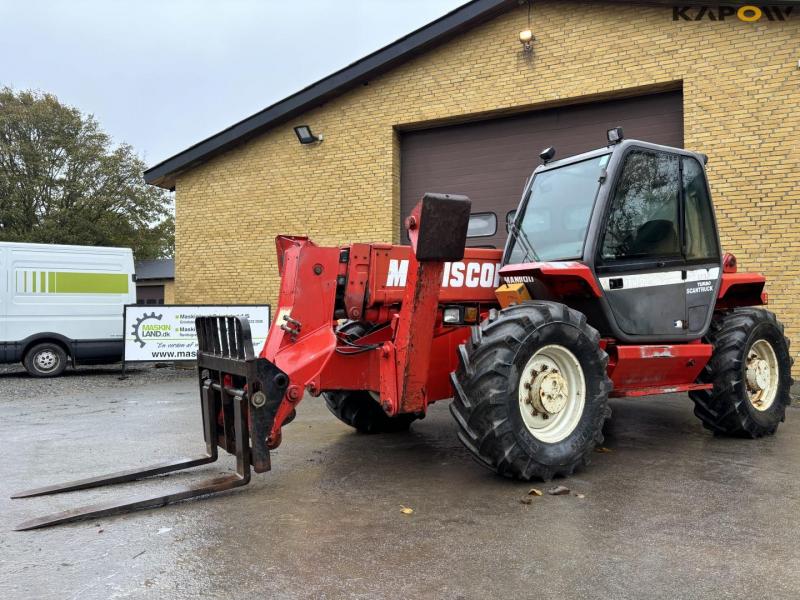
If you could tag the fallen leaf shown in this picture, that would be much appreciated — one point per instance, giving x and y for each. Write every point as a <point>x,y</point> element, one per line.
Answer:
<point>559,490</point>
<point>526,500</point>
<point>406,510</point>
<point>534,492</point>
<point>603,450</point>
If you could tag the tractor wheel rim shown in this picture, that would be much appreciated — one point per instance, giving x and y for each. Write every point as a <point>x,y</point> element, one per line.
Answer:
<point>46,360</point>
<point>762,375</point>
<point>552,393</point>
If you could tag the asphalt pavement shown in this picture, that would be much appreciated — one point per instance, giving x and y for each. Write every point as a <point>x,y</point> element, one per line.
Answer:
<point>669,511</point>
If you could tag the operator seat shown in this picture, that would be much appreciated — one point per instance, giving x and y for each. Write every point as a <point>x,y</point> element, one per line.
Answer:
<point>656,238</point>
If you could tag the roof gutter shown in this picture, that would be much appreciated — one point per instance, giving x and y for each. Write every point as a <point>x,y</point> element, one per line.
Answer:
<point>437,32</point>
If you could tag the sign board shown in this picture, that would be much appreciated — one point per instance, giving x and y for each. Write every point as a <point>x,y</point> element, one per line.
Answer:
<point>165,332</point>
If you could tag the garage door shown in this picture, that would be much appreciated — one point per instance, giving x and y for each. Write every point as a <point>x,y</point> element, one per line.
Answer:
<point>489,161</point>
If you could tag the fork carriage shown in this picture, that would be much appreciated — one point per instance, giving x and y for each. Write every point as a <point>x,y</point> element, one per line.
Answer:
<point>239,396</point>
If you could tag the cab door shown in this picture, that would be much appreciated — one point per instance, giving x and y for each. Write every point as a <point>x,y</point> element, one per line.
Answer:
<point>701,247</point>
<point>640,262</point>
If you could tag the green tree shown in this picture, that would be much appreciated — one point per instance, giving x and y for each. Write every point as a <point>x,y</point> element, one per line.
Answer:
<point>62,181</point>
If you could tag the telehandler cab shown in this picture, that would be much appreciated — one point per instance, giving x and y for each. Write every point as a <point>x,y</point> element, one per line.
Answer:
<point>612,283</point>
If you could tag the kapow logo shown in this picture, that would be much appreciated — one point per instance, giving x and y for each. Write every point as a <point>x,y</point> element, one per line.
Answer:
<point>748,13</point>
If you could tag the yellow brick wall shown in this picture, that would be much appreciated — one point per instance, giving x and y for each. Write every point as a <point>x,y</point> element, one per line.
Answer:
<point>741,86</point>
<point>169,292</point>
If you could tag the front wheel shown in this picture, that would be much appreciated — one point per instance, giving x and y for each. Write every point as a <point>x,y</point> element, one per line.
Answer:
<point>751,370</point>
<point>45,360</point>
<point>531,391</point>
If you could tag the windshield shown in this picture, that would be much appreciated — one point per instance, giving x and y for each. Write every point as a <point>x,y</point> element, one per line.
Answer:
<point>552,223</point>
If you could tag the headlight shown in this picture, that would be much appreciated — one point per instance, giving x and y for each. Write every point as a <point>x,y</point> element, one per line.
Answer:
<point>453,315</point>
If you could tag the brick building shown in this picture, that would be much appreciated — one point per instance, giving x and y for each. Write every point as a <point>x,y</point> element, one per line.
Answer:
<point>460,106</point>
<point>155,281</point>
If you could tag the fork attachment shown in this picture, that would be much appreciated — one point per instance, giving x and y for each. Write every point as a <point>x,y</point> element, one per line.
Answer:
<point>239,396</point>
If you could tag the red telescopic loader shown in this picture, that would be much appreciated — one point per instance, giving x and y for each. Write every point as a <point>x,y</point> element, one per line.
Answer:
<point>612,284</point>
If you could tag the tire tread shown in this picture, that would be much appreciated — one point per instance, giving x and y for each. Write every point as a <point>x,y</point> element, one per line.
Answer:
<point>723,409</point>
<point>478,407</point>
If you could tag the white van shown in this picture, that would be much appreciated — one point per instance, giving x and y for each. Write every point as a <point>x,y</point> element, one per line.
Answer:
<point>63,303</point>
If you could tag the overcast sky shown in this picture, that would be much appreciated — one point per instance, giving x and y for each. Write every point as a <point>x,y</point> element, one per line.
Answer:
<point>164,74</point>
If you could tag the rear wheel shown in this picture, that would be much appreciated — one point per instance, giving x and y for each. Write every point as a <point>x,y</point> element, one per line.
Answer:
<point>361,410</point>
<point>531,391</point>
<point>751,370</point>
<point>47,359</point>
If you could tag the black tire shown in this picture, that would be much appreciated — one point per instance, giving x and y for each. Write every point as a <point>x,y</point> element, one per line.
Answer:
<point>359,410</point>
<point>47,359</point>
<point>486,404</point>
<point>726,409</point>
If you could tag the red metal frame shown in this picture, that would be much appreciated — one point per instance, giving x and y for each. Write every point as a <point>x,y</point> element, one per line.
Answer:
<point>406,359</point>
<point>656,369</point>
<point>562,278</point>
<point>741,289</point>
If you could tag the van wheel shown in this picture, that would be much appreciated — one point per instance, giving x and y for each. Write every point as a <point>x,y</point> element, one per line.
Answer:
<point>45,360</point>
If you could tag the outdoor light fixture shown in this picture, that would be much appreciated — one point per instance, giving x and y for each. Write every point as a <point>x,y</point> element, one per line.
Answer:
<point>453,315</point>
<point>615,136</point>
<point>525,38</point>
<point>547,154</point>
<point>526,35</point>
<point>303,133</point>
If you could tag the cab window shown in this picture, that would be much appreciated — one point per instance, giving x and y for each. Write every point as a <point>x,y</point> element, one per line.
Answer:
<point>644,220</point>
<point>701,236</point>
<point>482,225</point>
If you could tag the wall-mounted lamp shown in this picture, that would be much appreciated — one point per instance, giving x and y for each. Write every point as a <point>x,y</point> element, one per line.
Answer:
<point>526,38</point>
<point>304,134</point>
<point>526,35</point>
